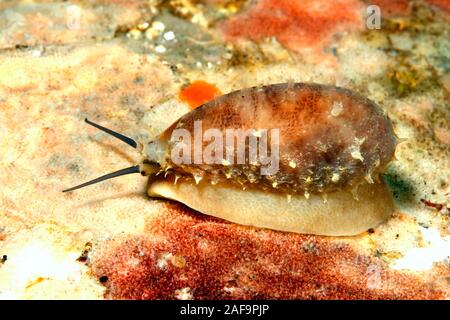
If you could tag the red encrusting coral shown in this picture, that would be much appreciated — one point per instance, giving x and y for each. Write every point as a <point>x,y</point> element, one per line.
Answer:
<point>442,4</point>
<point>295,23</point>
<point>193,256</point>
<point>392,8</point>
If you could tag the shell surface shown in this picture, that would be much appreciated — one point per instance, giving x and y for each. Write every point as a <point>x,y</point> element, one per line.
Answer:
<point>330,138</point>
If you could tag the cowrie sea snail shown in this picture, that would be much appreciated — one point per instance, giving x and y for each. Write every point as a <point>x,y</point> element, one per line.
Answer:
<point>294,157</point>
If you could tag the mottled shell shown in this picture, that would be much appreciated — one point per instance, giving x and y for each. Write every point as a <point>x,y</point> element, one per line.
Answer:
<point>330,138</point>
